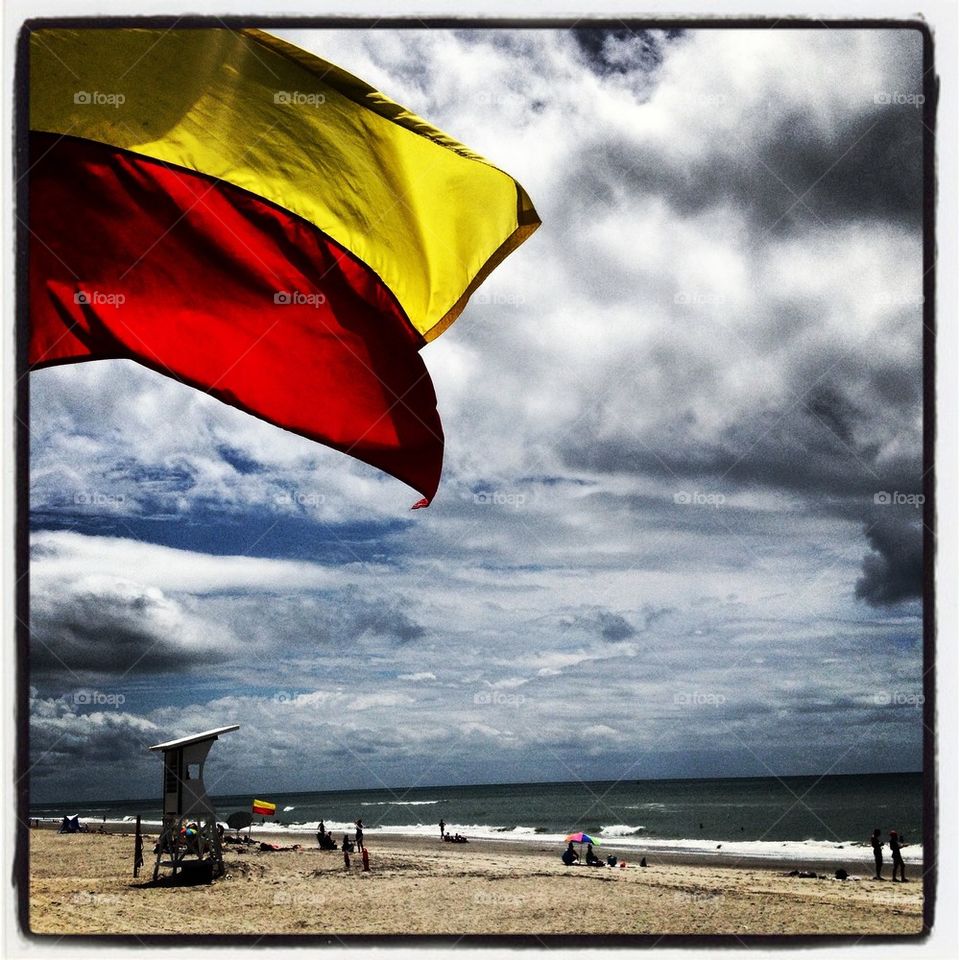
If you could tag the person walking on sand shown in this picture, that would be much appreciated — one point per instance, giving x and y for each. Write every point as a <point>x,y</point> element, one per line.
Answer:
<point>359,826</point>
<point>442,825</point>
<point>877,845</point>
<point>897,857</point>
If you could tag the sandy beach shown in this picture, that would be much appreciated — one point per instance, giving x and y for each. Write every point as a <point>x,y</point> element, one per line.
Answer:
<point>83,884</point>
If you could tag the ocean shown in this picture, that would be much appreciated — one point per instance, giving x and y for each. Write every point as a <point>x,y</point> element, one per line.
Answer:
<point>825,818</point>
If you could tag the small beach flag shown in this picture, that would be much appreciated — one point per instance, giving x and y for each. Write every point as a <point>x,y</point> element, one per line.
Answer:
<point>263,808</point>
<point>237,214</point>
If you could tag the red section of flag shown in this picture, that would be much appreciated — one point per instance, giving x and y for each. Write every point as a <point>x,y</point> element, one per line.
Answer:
<point>215,287</point>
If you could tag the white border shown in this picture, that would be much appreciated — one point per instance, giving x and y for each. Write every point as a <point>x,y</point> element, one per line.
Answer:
<point>941,15</point>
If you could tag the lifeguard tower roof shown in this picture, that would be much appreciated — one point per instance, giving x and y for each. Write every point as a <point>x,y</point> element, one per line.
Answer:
<point>195,738</point>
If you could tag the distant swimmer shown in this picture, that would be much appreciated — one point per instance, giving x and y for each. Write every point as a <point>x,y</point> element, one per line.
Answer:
<point>877,845</point>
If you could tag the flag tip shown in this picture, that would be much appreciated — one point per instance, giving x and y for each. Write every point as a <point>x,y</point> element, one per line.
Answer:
<point>420,504</point>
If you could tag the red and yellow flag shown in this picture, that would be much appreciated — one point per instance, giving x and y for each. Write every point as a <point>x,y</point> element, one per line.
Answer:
<point>235,213</point>
<point>262,808</point>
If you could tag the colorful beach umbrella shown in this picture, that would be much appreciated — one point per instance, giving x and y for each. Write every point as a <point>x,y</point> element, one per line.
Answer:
<point>580,838</point>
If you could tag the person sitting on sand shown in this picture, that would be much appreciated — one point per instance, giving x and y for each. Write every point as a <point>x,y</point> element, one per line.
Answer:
<point>347,844</point>
<point>569,856</point>
<point>895,846</point>
<point>877,845</point>
<point>592,859</point>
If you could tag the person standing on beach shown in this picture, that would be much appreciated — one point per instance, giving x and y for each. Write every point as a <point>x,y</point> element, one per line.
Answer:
<point>442,825</point>
<point>877,845</point>
<point>897,857</point>
<point>359,826</point>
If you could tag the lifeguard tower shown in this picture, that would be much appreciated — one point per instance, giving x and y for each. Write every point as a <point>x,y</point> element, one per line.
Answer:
<point>189,820</point>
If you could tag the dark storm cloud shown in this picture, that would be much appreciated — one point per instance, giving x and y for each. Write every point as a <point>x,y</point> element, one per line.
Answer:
<point>92,745</point>
<point>391,623</point>
<point>622,50</point>
<point>893,571</point>
<point>789,175</point>
<point>111,630</point>
<point>614,627</point>
<point>808,452</point>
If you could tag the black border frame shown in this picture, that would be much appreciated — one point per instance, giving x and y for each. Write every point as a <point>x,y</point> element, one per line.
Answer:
<point>21,863</point>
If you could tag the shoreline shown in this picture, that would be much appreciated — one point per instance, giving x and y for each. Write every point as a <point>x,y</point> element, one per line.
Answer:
<point>855,859</point>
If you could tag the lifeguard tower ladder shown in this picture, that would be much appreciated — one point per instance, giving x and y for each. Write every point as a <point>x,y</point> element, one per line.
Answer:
<point>189,821</point>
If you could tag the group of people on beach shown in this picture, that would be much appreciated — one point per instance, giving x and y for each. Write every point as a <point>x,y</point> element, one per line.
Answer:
<point>896,844</point>
<point>326,842</point>
<point>445,835</point>
<point>570,856</point>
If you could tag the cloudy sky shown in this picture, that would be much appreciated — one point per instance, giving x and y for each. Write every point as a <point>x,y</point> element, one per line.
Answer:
<point>677,533</point>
